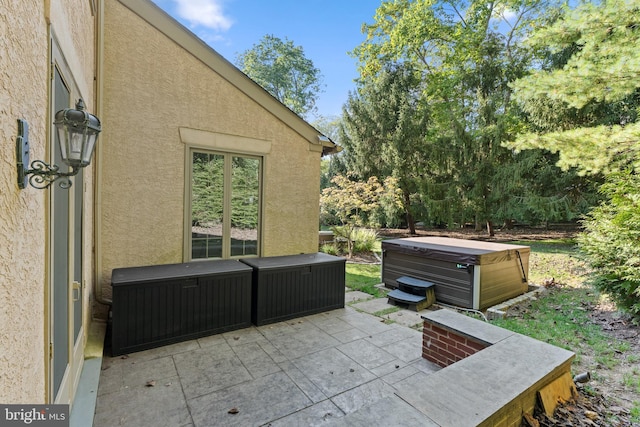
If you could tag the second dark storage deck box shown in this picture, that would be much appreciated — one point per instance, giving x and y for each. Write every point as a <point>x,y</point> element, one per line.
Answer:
<point>163,304</point>
<point>286,287</point>
<point>466,273</point>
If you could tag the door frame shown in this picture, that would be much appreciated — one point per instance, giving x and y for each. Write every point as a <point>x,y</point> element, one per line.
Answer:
<point>75,347</point>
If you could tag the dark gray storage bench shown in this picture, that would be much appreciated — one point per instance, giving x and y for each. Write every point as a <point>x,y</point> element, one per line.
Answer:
<point>466,273</point>
<point>286,287</point>
<point>163,304</point>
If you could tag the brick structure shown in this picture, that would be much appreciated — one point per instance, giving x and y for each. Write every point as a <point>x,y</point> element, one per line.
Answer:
<point>444,347</point>
<point>491,376</point>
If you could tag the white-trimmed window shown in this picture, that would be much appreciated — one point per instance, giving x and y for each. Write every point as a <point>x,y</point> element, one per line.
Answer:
<point>225,200</point>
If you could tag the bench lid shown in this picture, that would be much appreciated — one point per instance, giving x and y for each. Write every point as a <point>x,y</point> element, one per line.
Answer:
<point>291,261</point>
<point>149,273</point>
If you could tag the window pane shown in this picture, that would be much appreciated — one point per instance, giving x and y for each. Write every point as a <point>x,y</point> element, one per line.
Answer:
<point>245,202</point>
<point>207,205</point>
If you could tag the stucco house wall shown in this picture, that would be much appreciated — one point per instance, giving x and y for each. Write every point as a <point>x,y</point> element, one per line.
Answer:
<point>159,99</point>
<point>23,94</point>
<point>24,215</point>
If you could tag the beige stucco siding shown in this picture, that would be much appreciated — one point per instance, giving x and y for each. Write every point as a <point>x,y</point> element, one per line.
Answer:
<point>152,88</point>
<point>23,94</point>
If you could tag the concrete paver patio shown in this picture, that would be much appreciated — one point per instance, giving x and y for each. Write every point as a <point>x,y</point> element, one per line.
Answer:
<point>341,367</point>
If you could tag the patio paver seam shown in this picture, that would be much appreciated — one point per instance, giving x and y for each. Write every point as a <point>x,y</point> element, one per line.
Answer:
<point>184,395</point>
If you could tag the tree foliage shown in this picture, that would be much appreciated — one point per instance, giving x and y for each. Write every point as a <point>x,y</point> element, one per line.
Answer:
<point>282,69</point>
<point>384,125</point>
<point>532,189</point>
<point>352,202</point>
<point>331,165</point>
<point>466,54</point>
<point>610,240</point>
<point>597,85</point>
<point>207,197</point>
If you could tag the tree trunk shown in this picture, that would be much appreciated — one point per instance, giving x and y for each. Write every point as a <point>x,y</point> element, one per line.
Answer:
<point>508,224</point>
<point>411,222</point>
<point>477,223</point>
<point>349,236</point>
<point>490,229</point>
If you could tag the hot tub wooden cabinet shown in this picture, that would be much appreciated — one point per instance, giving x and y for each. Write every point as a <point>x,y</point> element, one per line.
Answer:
<point>163,304</point>
<point>286,287</point>
<point>466,273</point>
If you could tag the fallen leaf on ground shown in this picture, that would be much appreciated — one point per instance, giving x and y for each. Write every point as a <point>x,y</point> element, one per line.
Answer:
<point>531,422</point>
<point>590,414</point>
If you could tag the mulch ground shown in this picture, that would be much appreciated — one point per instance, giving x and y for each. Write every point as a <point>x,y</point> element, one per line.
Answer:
<point>501,235</point>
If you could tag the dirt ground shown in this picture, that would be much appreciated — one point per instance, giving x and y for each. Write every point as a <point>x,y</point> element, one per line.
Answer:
<point>604,400</point>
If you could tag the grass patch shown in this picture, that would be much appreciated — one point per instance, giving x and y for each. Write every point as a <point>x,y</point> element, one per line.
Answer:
<point>386,311</point>
<point>560,317</point>
<point>330,248</point>
<point>365,241</point>
<point>555,260</point>
<point>635,412</point>
<point>364,278</point>
<point>631,380</point>
<point>553,246</point>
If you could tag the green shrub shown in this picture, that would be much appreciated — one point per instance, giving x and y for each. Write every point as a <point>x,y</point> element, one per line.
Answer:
<point>330,248</point>
<point>610,241</point>
<point>365,240</point>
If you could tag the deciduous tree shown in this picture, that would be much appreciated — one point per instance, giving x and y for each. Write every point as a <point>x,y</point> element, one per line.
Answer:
<point>467,53</point>
<point>351,202</point>
<point>282,69</point>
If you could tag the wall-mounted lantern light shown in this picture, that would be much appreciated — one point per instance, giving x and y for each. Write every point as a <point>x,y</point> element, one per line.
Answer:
<point>77,134</point>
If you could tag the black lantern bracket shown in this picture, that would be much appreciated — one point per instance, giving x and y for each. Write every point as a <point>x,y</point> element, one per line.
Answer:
<point>77,133</point>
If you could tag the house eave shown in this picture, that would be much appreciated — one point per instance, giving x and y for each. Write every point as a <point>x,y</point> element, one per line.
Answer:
<point>328,146</point>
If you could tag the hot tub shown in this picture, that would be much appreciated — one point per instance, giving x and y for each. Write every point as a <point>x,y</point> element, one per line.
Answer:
<point>467,273</point>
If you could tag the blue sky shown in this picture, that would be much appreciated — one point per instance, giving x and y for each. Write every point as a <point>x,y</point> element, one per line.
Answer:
<point>326,30</point>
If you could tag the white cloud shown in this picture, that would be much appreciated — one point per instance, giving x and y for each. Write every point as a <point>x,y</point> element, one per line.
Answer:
<point>509,15</point>
<point>207,13</point>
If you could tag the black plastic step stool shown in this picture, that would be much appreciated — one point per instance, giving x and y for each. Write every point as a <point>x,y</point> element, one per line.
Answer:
<point>417,294</point>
